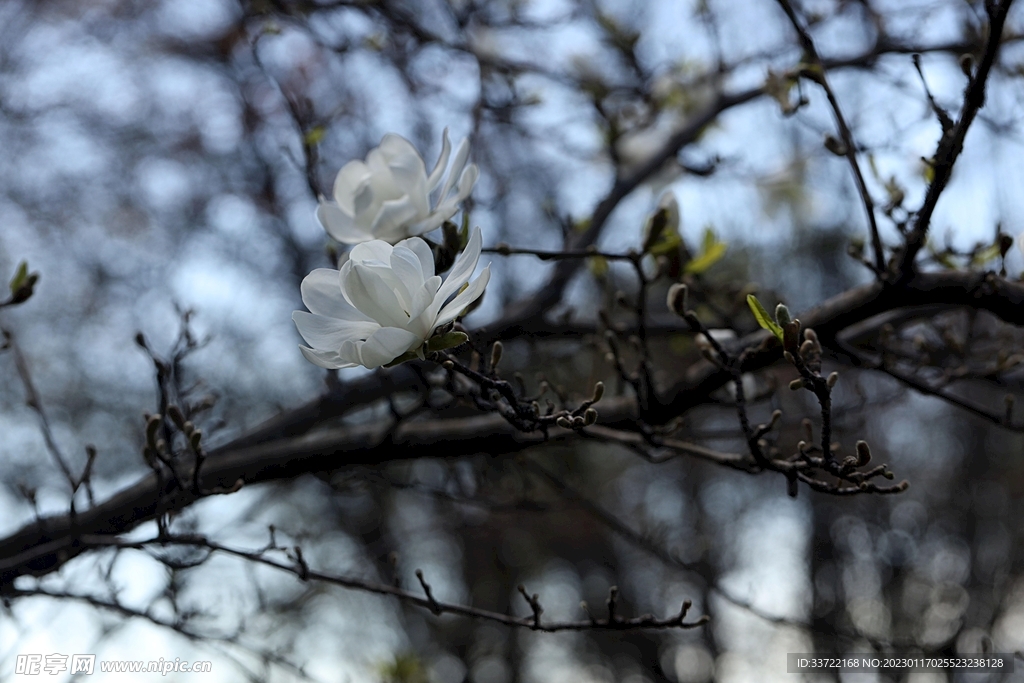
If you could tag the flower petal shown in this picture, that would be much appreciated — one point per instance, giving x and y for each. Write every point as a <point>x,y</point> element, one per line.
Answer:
<point>423,253</point>
<point>442,163</point>
<point>321,293</point>
<point>328,334</point>
<point>471,294</point>
<point>394,214</point>
<point>386,344</point>
<point>407,169</point>
<point>325,359</point>
<point>466,182</point>
<point>352,176</point>
<point>367,291</point>
<point>463,267</point>
<point>445,211</point>
<point>377,250</point>
<point>461,155</point>
<point>340,225</point>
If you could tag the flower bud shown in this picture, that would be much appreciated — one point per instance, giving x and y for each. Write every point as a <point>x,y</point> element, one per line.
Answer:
<point>782,316</point>
<point>589,416</point>
<point>832,379</point>
<point>194,437</point>
<point>598,392</point>
<point>496,351</point>
<point>152,426</point>
<point>835,145</point>
<point>796,384</point>
<point>564,422</point>
<point>863,453</point>
<point>678,296</point>
<point>174,412</point>
<point>966,61</point>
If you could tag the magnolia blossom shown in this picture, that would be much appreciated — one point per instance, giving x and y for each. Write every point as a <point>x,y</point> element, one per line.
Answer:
<point>384,302</point>
<point>387,197</point>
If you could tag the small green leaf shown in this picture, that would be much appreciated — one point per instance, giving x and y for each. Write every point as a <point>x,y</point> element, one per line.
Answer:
<point>707,259</point>
<point>448,340</point>
<point>763,319</point>
<point>598,265</point>
<point>655,228</point>
<point>314,135</point>
<point>709,240</point>
<point>20,277</point>
<point>668,243</point>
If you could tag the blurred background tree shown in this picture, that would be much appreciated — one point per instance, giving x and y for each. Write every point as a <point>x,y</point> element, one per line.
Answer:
<point>162,164</point>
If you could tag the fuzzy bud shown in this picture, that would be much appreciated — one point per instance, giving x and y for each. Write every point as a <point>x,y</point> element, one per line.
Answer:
<point>796,384</point>
<point>678,296</point>
<point>564,422</point>
<point>589,416</point>
<point>194,438</point>
<point>598,392</point>
<point>863,453</point>
<point>832,379</point>
<point>782,316</point>
<point>152,426</point>
<point>496,351</point>
<point>174,412</point>
<point>835,145</point>
<point>966,64</point>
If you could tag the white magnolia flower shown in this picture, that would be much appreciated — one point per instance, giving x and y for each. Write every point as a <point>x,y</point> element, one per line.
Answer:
<point>384,302</point>
<point>387,197</point>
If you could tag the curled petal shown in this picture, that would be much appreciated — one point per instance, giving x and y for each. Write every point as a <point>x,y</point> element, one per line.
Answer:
<point>340,225</point>
<point>468,296</point>
<point>321,293</point>
<point>461,155</point>
<point>328,334</point>
<point>463,267</point>
<point>330,360</point>
<point>385,345</point>
<point>351,178</point>
<point>442,163</point>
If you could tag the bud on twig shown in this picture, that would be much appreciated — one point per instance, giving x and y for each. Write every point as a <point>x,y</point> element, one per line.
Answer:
<point>863,453</point>
<point>152,426</point>
<point>835,145</point>
<point>796,384</point>
<point>174,412</point>
<point>782,316</point>
<point>966,64</point>
<point>678,296</point>
<point>564,422</point>
<point>598,392</point>
<point>589,417</point>
<point>496,351</point>
<point>832,379</point>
